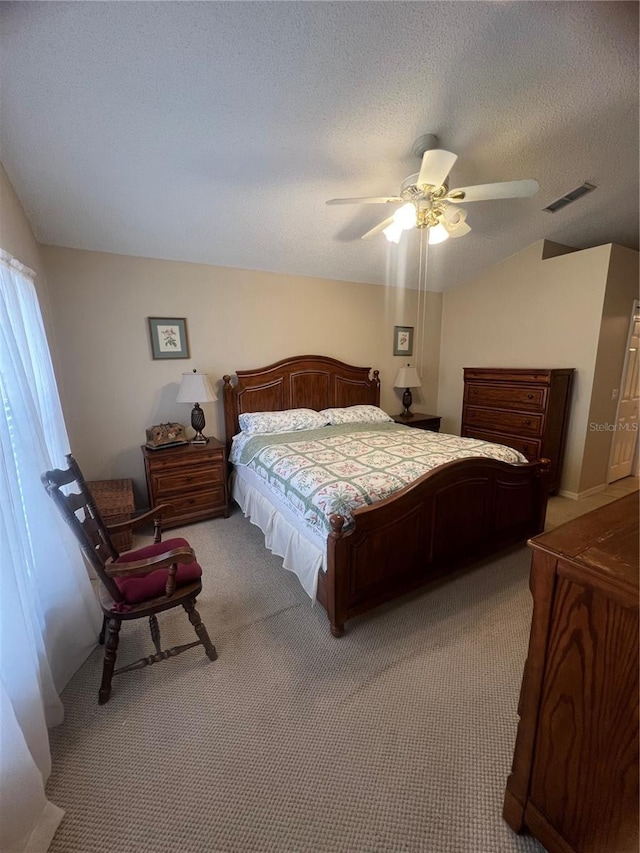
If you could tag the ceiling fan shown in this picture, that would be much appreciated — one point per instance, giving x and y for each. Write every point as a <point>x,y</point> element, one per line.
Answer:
<point>427,202</point>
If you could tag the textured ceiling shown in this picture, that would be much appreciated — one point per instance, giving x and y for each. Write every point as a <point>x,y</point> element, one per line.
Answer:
<point>214,132</point>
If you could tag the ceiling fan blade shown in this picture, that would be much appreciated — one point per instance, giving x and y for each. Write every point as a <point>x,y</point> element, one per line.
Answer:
<point>371,200</point>
<point>488,192</point>
<point>377,228</point>
<point>436,165</point>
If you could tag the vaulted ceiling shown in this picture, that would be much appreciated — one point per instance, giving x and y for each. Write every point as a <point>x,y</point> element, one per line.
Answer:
<point>214,132</point>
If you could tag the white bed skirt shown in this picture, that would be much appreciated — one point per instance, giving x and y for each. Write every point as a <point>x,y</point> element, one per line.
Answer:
<point>303,553</point>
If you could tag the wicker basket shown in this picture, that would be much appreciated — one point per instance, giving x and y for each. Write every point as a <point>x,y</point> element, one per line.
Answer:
<point>114,499</point>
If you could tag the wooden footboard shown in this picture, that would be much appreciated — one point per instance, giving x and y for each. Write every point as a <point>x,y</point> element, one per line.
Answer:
<point>453,515</point>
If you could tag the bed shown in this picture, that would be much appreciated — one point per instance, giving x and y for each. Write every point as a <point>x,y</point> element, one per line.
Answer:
<point>450,516</point>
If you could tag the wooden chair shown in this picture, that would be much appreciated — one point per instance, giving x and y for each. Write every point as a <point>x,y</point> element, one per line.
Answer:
<point>136,584</point>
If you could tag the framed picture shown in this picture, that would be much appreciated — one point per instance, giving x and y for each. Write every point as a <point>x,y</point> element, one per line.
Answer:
<point>403,340</point>
<point>168,337</point>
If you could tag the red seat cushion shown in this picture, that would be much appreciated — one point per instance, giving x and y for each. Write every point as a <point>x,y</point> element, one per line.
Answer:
<point>137,588</point>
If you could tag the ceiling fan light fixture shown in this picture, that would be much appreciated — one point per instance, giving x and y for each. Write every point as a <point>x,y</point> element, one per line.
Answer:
<point>438,234</point>
<point>458,230</point>
<point>405,216</point>
<point>427,203</point>
<point>393,232</point>
<point>454,220</point>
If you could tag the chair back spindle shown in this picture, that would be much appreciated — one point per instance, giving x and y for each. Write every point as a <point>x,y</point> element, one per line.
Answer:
<point>83,517</point>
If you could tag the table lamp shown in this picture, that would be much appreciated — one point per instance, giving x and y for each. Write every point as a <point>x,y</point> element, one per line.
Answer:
<point>196,386</point>
<point>407,378</point>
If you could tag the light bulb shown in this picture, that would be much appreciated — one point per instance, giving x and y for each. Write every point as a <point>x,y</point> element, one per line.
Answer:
<point>393,232</point>
<point>405,216</point>
<point>438,234</point>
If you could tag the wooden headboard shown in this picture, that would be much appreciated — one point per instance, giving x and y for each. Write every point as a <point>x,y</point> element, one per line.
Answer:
<point>301,382</point>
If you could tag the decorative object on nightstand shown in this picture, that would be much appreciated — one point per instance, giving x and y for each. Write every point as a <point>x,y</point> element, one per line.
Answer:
<point>191,478</point>
<point>407,378</point>
<point>420,420</point>
<point>166,435</point>
<point>196,386</point>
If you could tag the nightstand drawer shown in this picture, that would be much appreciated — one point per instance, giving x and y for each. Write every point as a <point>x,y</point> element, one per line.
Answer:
<point>529,447</point>
<point>189,504</point>
<point>506,397</point>
<point>165,460</point>
<point>173,481</point>
<point>497,421</point>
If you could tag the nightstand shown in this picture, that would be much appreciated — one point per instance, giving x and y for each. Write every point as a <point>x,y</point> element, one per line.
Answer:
<point>420,420</point>
<point>192,478</point>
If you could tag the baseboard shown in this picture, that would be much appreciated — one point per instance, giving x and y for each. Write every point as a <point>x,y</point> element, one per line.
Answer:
<point>578,496</point>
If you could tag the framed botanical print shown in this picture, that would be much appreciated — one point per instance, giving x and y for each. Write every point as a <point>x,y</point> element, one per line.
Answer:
<point>168,337</point>
<point>403,340</point>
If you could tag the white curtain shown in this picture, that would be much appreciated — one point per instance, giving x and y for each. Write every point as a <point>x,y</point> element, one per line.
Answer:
<point>48,614</point>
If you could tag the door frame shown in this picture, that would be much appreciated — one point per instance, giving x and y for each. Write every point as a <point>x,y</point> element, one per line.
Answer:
<point>635,465</point>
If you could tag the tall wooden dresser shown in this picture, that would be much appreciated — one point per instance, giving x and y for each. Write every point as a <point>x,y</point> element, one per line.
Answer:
<point>523,408</point>
<point>574,782</point>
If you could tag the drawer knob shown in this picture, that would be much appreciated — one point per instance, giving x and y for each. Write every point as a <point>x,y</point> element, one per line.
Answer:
<point>528,422</point>
<point>529,396</point>
<point>189,479</point>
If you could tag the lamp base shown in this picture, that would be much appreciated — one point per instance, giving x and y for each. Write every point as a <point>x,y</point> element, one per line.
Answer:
<point>197,424</point>
<point>406,415</point>
<point>199,438</point>
<point>407,400</point>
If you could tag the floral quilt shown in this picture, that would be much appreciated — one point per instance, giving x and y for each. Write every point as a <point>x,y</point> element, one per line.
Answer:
<point>336,469</point>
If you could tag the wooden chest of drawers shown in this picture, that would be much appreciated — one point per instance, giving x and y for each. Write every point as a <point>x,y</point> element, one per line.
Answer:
<point>192,478</point>
<point>574,782</point>
<point>522,408</point>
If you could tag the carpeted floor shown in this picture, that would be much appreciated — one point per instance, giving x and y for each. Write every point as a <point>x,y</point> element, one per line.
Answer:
<point>394,739</point>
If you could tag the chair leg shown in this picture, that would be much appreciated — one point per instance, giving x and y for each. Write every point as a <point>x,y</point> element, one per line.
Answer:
<point>110,653</point>
<point>201,631</point>
<point>155,632</point>
<point>102,631</point>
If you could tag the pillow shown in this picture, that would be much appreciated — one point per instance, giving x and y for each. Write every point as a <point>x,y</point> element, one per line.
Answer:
<point>356,415</point>
<point>262,423</point>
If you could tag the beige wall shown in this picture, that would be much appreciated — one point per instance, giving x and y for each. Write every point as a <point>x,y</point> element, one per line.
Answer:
<point>112,387</point>
<point>621,291</point>
<point>528,311</point>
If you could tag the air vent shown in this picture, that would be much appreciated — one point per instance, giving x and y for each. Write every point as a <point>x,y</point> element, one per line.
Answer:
<point>574,195</point>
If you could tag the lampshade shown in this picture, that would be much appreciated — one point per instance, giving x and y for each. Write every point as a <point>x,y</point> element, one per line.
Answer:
<point>407,378</point>
<point>438,234</point>
<point>393,233</point>
<point>195,388</point>
<point>404,219</point>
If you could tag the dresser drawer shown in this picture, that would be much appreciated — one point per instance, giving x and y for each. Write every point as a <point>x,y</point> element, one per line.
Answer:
<point>506,396</point>
<point>166,460</point>
<point>172,481</point>
<point>495,420</point>
<point>190,504</point>
<point>529,447</point>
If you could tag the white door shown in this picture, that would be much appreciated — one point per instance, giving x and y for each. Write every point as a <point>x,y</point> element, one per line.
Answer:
<point>625,438</point>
